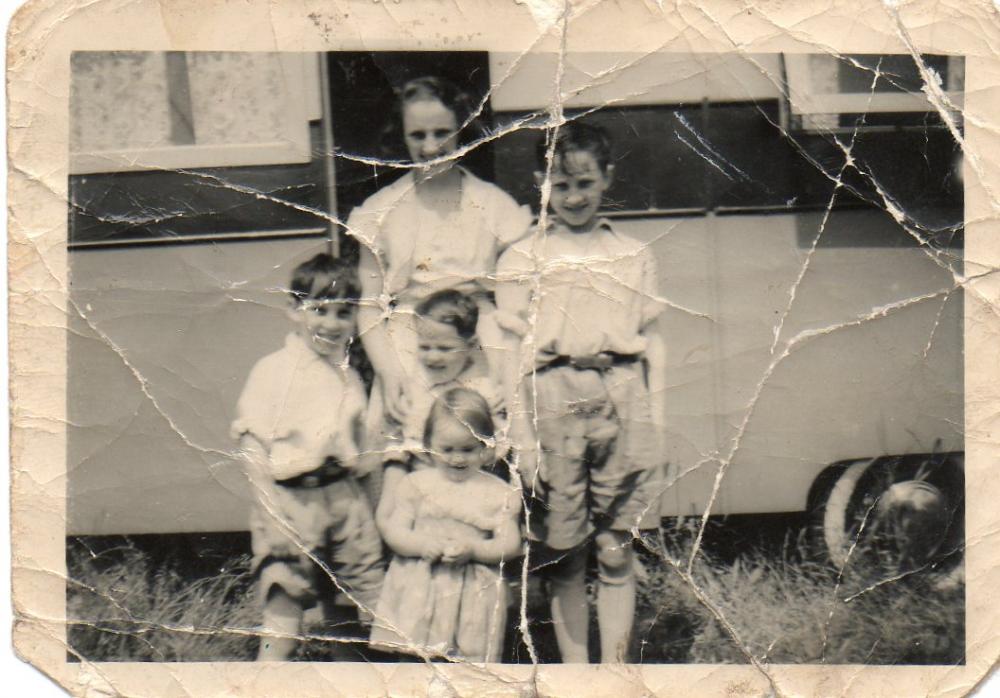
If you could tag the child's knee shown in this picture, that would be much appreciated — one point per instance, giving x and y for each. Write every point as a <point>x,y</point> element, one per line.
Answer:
<point>569,565</point>
<point>614,558</point>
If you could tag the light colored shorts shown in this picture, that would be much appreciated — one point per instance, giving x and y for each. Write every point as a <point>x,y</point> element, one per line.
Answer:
<point>599,462</point>
<point>333,525</point>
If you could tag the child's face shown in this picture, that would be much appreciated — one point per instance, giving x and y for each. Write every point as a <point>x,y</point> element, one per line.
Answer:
<point>430,131</point>
<point>456,451</point>
<point>327,325</point>
<point>441,351</point>
<point>578,186</point>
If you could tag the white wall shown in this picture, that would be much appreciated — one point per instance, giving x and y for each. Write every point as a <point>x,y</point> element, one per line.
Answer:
<point>174,330</point>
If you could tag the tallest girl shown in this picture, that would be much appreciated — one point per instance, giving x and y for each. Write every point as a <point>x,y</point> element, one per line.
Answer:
<point>437,227</point>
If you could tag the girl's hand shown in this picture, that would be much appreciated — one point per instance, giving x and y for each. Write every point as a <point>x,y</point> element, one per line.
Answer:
<point>457,553</point>
<point>433,550</point>
<point>394,397</point>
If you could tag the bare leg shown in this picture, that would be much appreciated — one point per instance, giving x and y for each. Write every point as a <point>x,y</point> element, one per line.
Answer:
<point>282,626</point>
<point>570,612</point>
<point>615,594</point>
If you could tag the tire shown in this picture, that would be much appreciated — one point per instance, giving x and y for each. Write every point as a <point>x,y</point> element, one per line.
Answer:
<point>901,512</point>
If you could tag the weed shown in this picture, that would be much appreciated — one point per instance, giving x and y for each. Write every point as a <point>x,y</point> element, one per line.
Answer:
<point>121,607</point>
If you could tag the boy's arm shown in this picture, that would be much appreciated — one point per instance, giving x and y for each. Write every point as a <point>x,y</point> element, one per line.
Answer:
<point>656,359</point>
<point>256,460</point>
<point>513,292</point>
<point>653,306</point>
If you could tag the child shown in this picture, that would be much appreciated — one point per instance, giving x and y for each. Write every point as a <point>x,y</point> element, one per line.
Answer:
<point>451,528</point>
<point>448,356</point>
<point>437,227</point>
<point>298,421</point>
<point>597,409</point>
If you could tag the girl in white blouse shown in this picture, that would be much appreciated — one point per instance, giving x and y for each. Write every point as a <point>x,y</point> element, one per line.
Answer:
<point>437,227</point>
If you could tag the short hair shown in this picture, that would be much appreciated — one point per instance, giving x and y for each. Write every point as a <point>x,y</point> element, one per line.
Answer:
<point>576,136</point>
<point>452,308</point>
<point>455,99</point>
<point>325,277</point>
<point>468,407</point>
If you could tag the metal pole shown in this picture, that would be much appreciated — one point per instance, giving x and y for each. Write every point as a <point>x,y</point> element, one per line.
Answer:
<point>331,176</point>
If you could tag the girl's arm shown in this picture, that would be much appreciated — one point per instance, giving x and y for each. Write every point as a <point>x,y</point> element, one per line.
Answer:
<point>392,475</point>
<point>374,335</point>
<point>504,546</point>
<point>397,527</point>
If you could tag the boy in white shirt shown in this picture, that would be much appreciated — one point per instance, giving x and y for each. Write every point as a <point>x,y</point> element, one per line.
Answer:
<point>299,422</point>
<point>593,380</point>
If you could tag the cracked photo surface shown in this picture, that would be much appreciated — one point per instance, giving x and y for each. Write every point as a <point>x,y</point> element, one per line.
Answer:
<point>396,349</point>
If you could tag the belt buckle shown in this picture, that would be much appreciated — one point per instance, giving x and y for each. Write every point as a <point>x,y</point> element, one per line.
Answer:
<point>599,362</point>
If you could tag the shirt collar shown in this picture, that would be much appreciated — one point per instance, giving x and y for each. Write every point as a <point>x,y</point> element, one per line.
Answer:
<point>296,344</point>
<point>555,225</point>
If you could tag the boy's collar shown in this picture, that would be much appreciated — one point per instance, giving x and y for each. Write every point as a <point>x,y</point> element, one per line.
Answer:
<point>556,225</point>
<point>301,345</point>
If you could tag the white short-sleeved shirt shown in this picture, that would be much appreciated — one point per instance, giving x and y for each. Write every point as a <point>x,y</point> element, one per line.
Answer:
<point>424,251</point>
<point>598,290</point>
<point>302,409</point>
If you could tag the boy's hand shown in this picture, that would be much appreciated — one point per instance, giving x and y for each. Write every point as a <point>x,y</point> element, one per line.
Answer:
<point>527,466</point>
<point>283,548</point>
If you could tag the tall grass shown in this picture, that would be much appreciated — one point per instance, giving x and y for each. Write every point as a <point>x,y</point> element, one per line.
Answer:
<point>774,607</point>
<point>121,607</point>
<point>788,609</point>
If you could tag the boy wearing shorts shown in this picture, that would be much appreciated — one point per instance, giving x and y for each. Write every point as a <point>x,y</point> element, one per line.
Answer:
<point>591,375</point>
<point>298,424</point>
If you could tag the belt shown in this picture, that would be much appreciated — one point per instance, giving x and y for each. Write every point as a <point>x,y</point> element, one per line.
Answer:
<point>331,471</point>
<point>595,362</point>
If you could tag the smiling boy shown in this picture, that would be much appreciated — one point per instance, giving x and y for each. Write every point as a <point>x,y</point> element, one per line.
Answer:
<point>298,424</point>
<point>597,360</point>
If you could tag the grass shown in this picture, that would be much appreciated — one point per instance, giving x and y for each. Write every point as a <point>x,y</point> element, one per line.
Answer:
<point>782,607</point>
<point>785,608</point>
<point>122,606</point>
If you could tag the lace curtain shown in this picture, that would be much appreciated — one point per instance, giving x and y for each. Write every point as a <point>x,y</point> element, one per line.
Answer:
<point>145,110</point>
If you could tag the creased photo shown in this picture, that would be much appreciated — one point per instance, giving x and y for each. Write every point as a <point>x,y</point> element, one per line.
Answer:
<point>565,363</point>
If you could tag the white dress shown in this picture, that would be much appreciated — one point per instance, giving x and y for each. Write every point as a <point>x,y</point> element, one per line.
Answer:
<point>453,610</point>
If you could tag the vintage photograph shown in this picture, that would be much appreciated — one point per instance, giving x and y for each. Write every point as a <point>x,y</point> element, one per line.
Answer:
<point>668,370</point>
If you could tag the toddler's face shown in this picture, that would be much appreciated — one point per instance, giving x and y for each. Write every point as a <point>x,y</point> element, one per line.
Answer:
<point>456,451</point>
<point>441,351</point>
<point>327,325</point>
<point>578,186</point>
<point>430,131</point>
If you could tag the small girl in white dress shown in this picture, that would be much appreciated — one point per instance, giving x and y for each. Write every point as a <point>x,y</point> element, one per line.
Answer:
<point>451,528</point>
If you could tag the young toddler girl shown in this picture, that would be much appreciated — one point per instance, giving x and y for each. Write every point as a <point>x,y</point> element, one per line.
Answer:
<point>451,528</point>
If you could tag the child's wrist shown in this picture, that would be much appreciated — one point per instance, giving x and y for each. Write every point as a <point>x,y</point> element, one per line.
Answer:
<point>479,550</point>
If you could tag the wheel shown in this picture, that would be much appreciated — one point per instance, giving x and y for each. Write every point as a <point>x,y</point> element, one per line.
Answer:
<point>902,512</point>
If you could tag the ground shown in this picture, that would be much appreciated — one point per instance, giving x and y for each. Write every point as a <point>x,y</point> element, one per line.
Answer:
<point>190,598</point>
